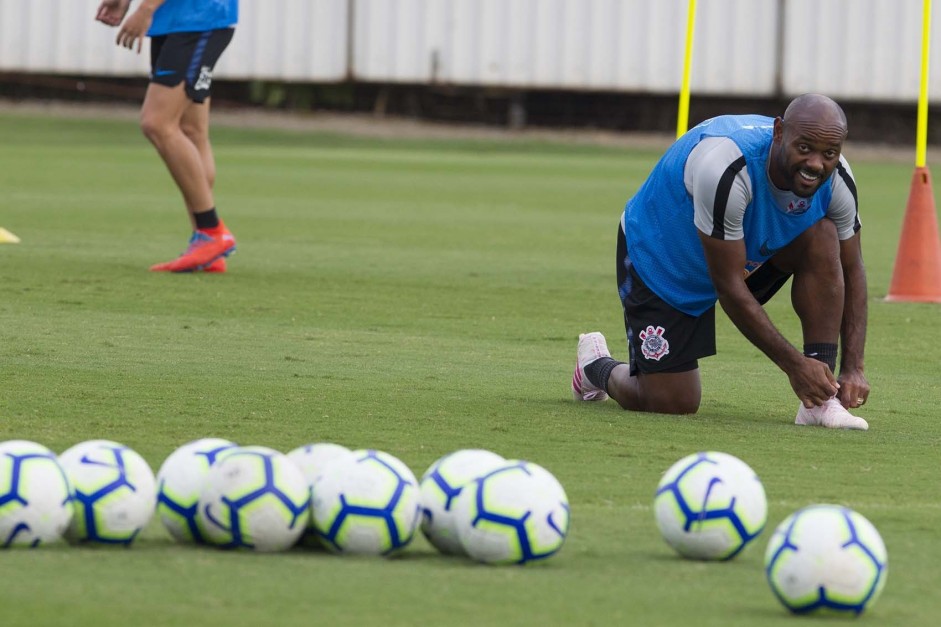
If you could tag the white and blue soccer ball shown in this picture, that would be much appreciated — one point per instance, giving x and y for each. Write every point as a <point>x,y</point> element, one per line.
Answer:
<point>255,498</point>
<point>710,506</point>
<point>180,482</point>
<point>114,492</point>
<point>313,460</point>
<point>440,486</point>
<point>35,497</point>
<point>367,503</point>
<point>513,514</point>
<point>826,559</point>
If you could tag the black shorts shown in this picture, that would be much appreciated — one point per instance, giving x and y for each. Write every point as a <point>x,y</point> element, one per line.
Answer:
<point>663,339</point>
<point>189,57</point>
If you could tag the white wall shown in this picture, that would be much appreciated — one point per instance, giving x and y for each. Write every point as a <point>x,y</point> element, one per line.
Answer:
<point>303,40</point>
<point>625,45</point>
<point>859,49</point>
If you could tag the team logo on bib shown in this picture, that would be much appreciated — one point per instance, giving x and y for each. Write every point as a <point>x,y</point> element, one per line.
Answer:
<point>653,345</point>
<point>797,206</point>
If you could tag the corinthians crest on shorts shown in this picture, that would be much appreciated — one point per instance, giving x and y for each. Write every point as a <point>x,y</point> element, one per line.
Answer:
<point>205,78</point>
<point>653,344</point>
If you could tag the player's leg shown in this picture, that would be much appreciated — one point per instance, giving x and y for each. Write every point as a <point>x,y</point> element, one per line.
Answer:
<point>201,62</point>
<point>817,291</point>
<point>813,260</point>
<point>161,120</point>
<point>664,345</point>
<point>817,295</point>
<point>676,390</point>
<point>183,63</point>
<point>166,103</point>
<point>161,116</point>
<point>195,125</point>
<point>663,392</point>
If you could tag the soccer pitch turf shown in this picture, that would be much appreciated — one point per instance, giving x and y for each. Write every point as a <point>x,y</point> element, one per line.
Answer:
<point>416,297</point>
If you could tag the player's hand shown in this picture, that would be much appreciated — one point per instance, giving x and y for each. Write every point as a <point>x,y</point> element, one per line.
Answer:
<point>854,389</point>
<point>135,28</point>
<point>111,12</point>
<point>813,382</point>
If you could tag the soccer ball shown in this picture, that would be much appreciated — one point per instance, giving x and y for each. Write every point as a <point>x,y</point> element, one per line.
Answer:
<point>179,483</point>
<point>313,459</point>
<point>114,492</point>
<point>440,486</point>
<point>35,498</point>
<point>514,514</point>
<point>367,504</point>
<point>710,505</point>
<point>826,558</point>
<point>253,497</point>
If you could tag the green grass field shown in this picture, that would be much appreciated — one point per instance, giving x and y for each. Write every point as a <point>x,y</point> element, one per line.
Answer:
<point>417,297</point>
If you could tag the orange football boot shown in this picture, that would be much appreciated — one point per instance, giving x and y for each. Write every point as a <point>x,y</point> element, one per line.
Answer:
<point>203,251</point>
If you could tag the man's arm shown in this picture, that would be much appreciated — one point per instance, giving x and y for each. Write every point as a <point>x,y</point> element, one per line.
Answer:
<point>853,383</point>
<point>811,380</point>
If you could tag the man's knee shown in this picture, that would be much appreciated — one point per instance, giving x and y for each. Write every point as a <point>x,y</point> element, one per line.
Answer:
<point>822,234</point>
<point>153,125</point>
<point>162,111</point>
<point>816,248</point>
<point>822,250</point>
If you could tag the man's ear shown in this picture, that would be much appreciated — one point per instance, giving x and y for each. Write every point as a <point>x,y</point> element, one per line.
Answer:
<point>778,129</point>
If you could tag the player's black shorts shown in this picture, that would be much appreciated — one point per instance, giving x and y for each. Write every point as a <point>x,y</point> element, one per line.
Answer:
<point>188,57</point>
<point>663,339</point>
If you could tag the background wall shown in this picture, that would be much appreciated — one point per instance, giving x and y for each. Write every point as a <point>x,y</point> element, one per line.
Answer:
<point>850,49</point>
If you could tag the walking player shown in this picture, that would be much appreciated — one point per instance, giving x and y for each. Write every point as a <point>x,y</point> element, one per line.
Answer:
<point>187,37</point>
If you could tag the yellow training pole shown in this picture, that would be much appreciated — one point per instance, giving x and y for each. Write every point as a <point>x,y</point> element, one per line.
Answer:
<point>921,136</point>
<point>682,119</point>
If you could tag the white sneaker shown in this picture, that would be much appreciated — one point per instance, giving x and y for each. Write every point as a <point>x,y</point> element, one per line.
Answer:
<point>831,415</point>
<point>591,347</point>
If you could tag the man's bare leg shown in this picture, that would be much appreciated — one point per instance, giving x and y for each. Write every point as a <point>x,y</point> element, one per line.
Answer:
<point>817,289</point>
<point>817,295</point>
<point>195,125</point>
<point>664,393</point>
<point>161,121</point>
<point>597,376</point>
<point>179,129</point>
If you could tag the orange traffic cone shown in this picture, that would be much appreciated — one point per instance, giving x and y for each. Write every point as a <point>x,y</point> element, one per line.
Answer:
<point>917,274</point>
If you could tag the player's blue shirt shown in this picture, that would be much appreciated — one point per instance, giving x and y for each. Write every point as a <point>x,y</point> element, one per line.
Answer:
<point>662,240</point>
<point>190,16</point>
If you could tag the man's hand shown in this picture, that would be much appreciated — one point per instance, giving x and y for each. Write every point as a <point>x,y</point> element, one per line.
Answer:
<point>111,12</point>
<point>812,381</point>
<point>135,28</point>
<point>854,389</point>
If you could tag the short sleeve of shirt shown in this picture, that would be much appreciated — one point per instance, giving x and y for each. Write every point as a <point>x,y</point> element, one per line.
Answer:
<point>717,178</point>
<point>844,205</point>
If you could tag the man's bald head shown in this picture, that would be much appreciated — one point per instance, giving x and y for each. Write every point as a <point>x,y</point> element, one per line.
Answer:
<point>816,112</point>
